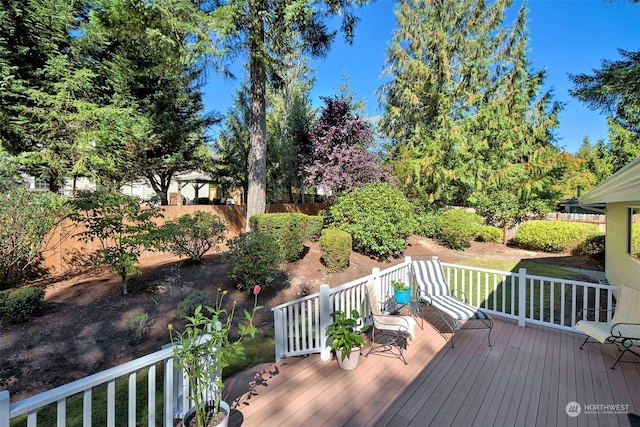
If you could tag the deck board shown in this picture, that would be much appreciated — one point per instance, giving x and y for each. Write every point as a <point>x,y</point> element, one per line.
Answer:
<point>525,378</point>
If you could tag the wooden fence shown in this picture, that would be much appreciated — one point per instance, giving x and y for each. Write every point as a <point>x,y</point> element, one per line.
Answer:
<point>64,252</point>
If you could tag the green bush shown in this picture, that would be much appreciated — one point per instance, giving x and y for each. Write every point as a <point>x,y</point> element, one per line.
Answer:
<point>457,228</point>
<point>427,223</point>
<point>594,246</point>
<point>315,223</point>
<point>489,233</point>
<point>378,217</point>
<point>25,220</point>
<point>187,307</point>
<point>287,229</point>
<point>335,247</point>
<point>192,235</point>
<point>20,304</point>
<point>553,236</point>
<point>256,257</point>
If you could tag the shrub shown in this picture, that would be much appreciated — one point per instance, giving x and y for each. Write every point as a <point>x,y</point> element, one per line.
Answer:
<point>287,229</point>
<point>489,233</point>
<point>315,223</point>
<point>256,257</point>
<point>378,217</point>
<point>335,247</point>
<point>457,228</point>
<point>187,307</point>
<point>135,324</point>
<point>594,246</point>
<point>20,305</point>
<point>26,218</point>
<point>192,235</point>
<point>427,224</point>
<point>124,225</point>
<point>553,236</point>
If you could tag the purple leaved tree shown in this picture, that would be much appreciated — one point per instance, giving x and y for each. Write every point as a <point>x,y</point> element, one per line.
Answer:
<point>340,156</point>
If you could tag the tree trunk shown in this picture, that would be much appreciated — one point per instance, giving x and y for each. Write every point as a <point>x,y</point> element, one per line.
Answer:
<point>258,140</point>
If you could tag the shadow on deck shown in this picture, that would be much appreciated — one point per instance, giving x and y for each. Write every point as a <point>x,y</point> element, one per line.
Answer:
<point>528,377</point>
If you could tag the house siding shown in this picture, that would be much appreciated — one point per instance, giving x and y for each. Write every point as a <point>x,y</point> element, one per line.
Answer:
<point>621,268</point>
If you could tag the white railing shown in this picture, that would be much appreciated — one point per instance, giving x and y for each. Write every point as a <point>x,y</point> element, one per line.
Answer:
<point>300,325</point>
<point>73,403</point>
<point>528,298</point>
<point>300,329</point>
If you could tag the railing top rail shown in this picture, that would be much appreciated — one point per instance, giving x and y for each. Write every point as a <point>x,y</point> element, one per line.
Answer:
<point>573,282</point>
<point>51,396</point>
<point>531,276</point>
<point>295,301</point>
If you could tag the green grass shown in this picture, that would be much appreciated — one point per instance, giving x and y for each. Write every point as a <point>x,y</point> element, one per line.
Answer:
<point>540,290</point>
<point>47,415</point>
<point>258,350</point>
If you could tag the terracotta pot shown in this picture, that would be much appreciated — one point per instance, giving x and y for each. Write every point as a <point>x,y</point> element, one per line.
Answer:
<point>349,361</point>
<point>224,408</point>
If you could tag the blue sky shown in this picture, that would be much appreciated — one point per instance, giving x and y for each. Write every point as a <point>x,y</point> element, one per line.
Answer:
<point>565,37</point>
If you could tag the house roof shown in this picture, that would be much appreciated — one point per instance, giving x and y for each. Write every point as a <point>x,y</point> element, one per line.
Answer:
<point>622,186</point>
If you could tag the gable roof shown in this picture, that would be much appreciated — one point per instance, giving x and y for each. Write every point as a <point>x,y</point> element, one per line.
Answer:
<point>622,186</point>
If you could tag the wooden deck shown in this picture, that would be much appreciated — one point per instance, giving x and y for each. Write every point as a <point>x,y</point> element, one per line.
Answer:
<point>527,378</point>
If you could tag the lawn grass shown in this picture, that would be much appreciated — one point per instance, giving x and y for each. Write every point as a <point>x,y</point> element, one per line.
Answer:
<point>557,309</point>
<point>259,349</point>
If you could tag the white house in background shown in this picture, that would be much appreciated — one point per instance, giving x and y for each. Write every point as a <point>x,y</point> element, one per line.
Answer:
<point>621,194</point>
<point>193,187</point>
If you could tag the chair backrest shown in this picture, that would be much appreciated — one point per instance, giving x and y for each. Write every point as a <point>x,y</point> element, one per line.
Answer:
<point>429,276</point>
<point>627,306</point>
<point>372,297</point>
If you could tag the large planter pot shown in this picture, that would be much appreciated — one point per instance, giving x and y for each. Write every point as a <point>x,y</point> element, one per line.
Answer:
<point>402,297</point>
<point>224,408</point>
<point>349,361</point>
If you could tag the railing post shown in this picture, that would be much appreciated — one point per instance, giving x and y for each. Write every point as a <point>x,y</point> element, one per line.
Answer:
<point>4,408</point>
<point>325,321</point>
<point>278,326</point>
<point>375,272</point>
<point>522,296</point>
<point>407,261</point>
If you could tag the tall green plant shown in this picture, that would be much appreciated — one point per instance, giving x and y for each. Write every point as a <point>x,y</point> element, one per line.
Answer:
<point>26,219</point>
<point>122,224</point>
<point>192,235</point>
<point>378,217</point>
<point>256,257</point>
<point>465,113</point>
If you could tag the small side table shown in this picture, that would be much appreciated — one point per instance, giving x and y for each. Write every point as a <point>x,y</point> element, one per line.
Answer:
<point>414,308</point>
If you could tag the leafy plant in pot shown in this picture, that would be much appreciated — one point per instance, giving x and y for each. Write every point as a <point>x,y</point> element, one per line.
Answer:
<point>203,349</point>
<point>346,338</point>
<point>401,292</point>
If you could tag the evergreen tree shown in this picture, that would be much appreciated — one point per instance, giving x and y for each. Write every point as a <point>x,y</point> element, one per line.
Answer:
<point>39,86</point>
<point>150,91</point>
<point>463,109</point>
<point>264,31</point>
<point>613,89</point>
<point>289,118</point>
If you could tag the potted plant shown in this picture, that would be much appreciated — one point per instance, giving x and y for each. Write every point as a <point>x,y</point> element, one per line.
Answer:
<point>346,338</point>
<point>202,349</point>
<point>401,292</point>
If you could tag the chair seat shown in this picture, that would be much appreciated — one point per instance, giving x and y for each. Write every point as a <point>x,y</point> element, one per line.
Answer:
<point>454,308</point>
<point>601,331</point>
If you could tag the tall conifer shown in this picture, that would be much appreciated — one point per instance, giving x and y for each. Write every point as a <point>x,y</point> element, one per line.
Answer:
<point>463,108</point>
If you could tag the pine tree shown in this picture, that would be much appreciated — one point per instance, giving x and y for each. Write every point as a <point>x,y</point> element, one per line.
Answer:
<point>263,30</point>
<point>463,107</point>
<point>613,89</point>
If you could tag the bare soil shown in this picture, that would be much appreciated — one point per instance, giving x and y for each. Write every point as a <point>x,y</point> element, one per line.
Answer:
<point>81,329</point>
